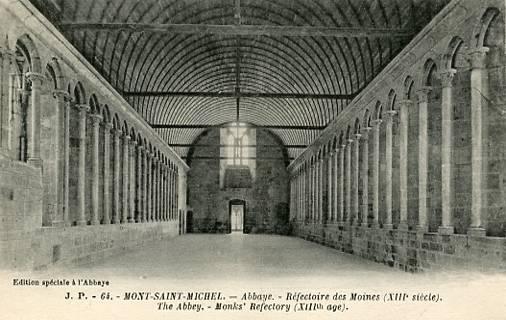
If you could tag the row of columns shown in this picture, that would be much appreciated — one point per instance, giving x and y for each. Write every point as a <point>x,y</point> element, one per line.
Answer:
<point>148,186</point>
<point>343,165</point>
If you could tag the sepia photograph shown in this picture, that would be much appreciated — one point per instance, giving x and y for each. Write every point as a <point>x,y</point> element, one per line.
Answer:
<point>252,159</point>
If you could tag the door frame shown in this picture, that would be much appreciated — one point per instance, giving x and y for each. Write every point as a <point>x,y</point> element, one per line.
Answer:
<point>236,202</point>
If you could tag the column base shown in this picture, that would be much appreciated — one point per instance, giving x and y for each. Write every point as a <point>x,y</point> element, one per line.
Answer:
<point>365,225</point>
<point>403,226</point>
<point>58,224</point>
<point>107,221</point>
<point>422,229</point>
<point>375,225</point>
<point>447,230</point>
<point>131,220</point>
<point>82,223</point>
<point>388,226</point>
<point>95,222</point>
<point>476,232</point>
<point>36,162</point>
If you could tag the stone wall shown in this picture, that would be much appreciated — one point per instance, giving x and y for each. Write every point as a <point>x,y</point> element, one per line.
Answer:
<point>409,250</point>
<point>266,200</point>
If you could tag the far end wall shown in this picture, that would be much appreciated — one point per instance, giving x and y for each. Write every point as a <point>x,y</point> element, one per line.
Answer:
<point>266,209</point>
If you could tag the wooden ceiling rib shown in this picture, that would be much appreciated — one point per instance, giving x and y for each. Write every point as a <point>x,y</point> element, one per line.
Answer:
<point>289,63</point>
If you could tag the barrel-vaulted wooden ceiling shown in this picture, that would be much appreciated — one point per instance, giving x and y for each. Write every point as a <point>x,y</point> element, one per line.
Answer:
<point>287,65</point>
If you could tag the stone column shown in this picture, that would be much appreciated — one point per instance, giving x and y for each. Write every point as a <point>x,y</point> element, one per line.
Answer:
<point>387,224</point>
<point>335,182</point>
<point>446,150</point>
<point>7,57</point>
<point>155,189</point>
<point>478,76</point>
<point>13,93</point>
<point>320,190</point>
<point>404,105</point>
<point>365,176</point>
<point>34,119</point>
<point>356,177</point>
<point>81,186</point>
<point>66,163</point>
<point>107,172</point>
<point>116,186</point>
<point>95,122</point>
<point>150,186</point>
<point>164,190</point>
<point>330,189</point>
<point>126,180</point>
<point>140,206</point>
<point>145,198</point>
<point>310,195</point>
<point>422,158</point>
<point>375,172</point>
<point>61,102</point>
<point>348,181</point>
<point>341,184</point>
<point>131,196</point>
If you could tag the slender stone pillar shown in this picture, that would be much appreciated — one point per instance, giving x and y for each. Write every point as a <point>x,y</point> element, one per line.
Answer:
<point>342,151</point>
<point>116,186</point>
<point>81,185</point>
<point>155,189</point>
<point>61,102</point>
<point>310,195</point>
<point>107,173</point>
<point>320,191</point>
<point>422,158</point>
<point>478,76</point>
<point>330,189</point>
<point>126,180</point>
<point>34,119</point>
<point>164,192</point>
<point>404,105</point>
<point>150,186</point>
<point>145,186</point>
<point>348,181</point>
<point>66,163</point>
<point>387,224</point>
<point>335,182</point>
<point>95,126</point>
<point>131,196</point>
<point>446,151</point>
<point>7,57</point>
<point>365,176</point>
<point>375,173</point>
<point>356,177</point>
<point>140,207</point>
<point>13,93</point>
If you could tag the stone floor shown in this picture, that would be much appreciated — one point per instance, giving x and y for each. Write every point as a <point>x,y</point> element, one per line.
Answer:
<point>236,264</point>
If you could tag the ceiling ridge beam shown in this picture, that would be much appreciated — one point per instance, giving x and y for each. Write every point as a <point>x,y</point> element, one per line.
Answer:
<point>205,126</point>
<point>243,30</point>
<point>238,94</point>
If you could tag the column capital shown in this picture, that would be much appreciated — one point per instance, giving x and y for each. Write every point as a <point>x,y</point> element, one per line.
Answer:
<point>108,126</point>
<point>423,94</point>
<point>357,136</point>
<point>6,51</point>
<point>350,142</point>
<point>126,137</point>
<point>82,107</point>
<point>405,103</point>
<point>133,142</point>
<point>117,133</point>
<point>389,115</point>
<point>365,132</point>
<point>446,77</point>
<point>61,93</point>
<point>140,147</point>
<point>477,57</point>
<point>376,123</point>
<point>96,119</point>
<point>35,76</point>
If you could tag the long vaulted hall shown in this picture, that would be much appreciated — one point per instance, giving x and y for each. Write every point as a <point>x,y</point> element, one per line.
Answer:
<point>253,139</point>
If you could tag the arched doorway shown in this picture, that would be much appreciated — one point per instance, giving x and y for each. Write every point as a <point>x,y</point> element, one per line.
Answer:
<point>236,210</point>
